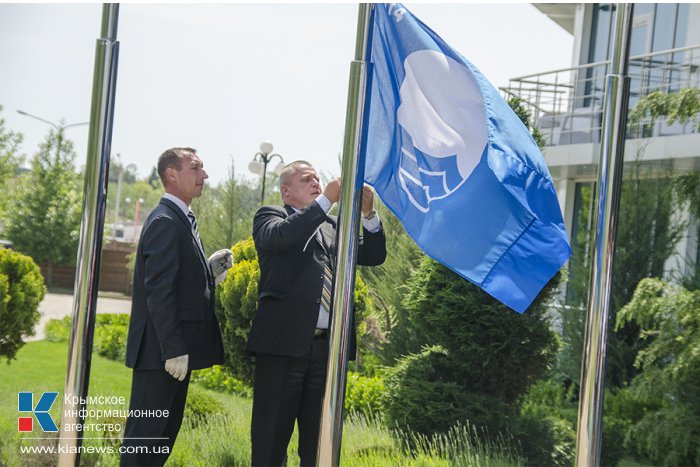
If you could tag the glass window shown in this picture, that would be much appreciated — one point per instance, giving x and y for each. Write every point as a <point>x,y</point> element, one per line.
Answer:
<point>681,36</point>
<point>641,28</point>
<point>664,22</point>
<point>601,33</point>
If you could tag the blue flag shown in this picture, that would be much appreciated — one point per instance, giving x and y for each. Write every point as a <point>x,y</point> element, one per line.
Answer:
<point>451,159</point>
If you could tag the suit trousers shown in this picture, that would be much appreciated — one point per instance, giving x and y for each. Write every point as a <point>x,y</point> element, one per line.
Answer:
<point>288,389</point>
<point>149,440</point>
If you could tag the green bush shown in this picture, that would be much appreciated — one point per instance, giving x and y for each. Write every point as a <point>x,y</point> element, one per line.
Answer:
<point>200,406</point>
<point>493,350</point>
<point>218,378</point>
<point>110,334</point>
<point>421,396</point>
<point>483,359</point>
<point>21,290</point>
<point>363,395</point>
<point>238,302</point>
<point>58,330</point>
<point>546,428</point>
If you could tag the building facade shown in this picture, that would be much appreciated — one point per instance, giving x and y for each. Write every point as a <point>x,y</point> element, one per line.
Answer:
<point>567,106</point>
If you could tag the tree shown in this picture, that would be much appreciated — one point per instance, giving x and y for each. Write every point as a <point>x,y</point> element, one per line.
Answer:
<point>668,384</point>
<point>44,222</point>
<point>479,356</point>
<point>494,350</point>
<point>682,106</point>
<point>10,160</point>
<point>517,103</point>
<point>687,187</point>
<point>648,231</point>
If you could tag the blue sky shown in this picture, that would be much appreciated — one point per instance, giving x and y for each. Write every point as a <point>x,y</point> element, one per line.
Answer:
<point>225,77</point>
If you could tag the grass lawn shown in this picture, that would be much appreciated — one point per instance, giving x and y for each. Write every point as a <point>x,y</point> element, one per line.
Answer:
<point>223,438</point>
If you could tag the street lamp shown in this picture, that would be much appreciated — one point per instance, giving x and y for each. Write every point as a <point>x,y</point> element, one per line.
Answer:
<point>259,164</point>
<point>59,128</point>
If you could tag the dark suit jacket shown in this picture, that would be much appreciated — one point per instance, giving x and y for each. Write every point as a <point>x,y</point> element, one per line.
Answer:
<point>172,311</point>
<point>291,275</point>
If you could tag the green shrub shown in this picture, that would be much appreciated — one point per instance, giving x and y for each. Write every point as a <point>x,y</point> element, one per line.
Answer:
<point>218,378</point>
<point>109,340</point>
<point>200,406</point>
<point>238,299</point>
<point>493,350</point>
<point>421,396</point>
<point>21,290</point>
<point>363,395</point>
<point>546,428</point>
<point>111,332</point>
<point>58,330</point>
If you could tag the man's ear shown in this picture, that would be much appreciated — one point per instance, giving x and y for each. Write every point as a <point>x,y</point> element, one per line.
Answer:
<point>170,174</point>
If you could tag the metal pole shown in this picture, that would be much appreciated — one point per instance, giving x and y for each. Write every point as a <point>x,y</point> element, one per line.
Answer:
<point>590,409</point>
<point>353,169</point>
<point>91,230</point>
<point>262,192</point>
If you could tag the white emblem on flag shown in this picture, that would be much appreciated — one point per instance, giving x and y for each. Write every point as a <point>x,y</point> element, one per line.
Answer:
<point>443,114</point>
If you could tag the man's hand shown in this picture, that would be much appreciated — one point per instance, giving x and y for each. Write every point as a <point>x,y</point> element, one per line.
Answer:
<point>332,190</point>
<point>220,262</point>
<point>177,366</point>
<point>367,201</point>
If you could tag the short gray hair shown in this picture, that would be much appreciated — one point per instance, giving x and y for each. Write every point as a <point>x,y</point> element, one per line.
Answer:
<point>289,169</point>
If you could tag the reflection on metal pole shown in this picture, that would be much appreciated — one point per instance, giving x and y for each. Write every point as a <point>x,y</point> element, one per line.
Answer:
<point>91,230</point>
<point>352,170</point>
<point>590,410</point>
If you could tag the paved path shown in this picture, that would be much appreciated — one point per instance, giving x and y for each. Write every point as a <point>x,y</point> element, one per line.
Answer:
<point>59,305</point>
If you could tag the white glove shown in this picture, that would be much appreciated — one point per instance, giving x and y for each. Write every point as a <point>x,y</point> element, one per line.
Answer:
<point>220,262</point>
<point>177,366</point>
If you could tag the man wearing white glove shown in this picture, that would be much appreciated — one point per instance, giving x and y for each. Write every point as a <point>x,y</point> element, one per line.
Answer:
<point>173,329</point>
<point>220,262</point>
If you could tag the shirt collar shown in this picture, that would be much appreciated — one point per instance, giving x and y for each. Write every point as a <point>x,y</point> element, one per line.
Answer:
<point>180,203</point>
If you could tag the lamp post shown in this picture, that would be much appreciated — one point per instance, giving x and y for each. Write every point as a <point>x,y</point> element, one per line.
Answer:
<point>59,128</point>
<point>259,164</point>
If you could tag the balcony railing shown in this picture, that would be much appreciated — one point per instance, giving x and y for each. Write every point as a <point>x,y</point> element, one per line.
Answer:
<point>566,104</point>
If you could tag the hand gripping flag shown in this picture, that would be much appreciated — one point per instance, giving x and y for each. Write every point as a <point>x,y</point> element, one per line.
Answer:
<point>451,159</point>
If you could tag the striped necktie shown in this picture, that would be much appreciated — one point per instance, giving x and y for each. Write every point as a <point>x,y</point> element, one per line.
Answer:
<point>193,221</point>
<point>327,289</point>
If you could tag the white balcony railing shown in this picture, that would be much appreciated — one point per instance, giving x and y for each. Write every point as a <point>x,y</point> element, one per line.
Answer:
<point>566,104</point>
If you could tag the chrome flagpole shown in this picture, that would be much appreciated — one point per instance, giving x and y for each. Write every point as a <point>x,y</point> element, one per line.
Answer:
<point>91,230</point>
<point>352,171</point>
<point>590,409</point>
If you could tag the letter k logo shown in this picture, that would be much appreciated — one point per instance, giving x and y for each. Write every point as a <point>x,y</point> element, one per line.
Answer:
<point>25,403</point>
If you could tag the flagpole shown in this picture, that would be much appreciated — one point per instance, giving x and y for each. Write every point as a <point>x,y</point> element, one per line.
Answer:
<point>590,410</point>
<point>352,171</point>
<point>91,230</point>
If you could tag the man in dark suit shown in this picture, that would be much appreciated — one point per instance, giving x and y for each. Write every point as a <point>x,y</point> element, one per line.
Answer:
<point>289,335</point>
<point>172,329</point>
